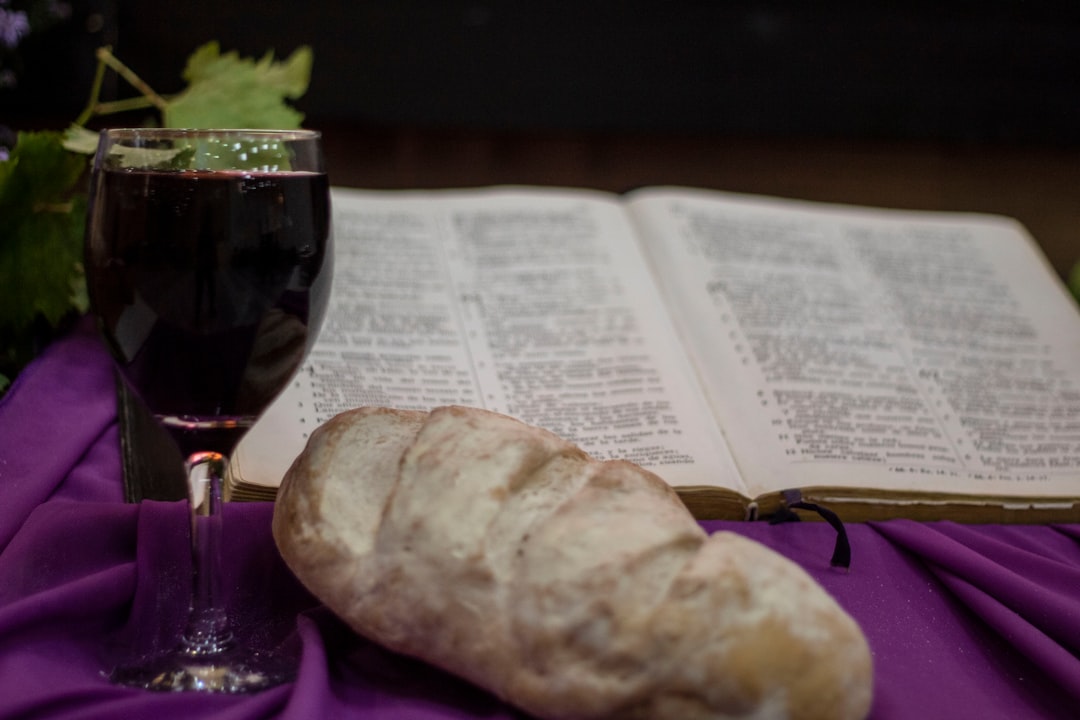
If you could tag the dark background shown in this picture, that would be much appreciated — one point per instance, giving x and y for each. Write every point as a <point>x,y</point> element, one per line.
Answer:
<point>950,105</point>
<point>997,70</point>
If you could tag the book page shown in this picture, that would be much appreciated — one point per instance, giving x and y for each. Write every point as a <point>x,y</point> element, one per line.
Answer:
<point>849,347</point>
<point>538,305</point>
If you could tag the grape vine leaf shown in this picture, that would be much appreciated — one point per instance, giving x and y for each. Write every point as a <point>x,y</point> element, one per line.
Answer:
<point>41,235</point>
<point>228,91</point>
<point>78,139</point>
<point>38,172</point>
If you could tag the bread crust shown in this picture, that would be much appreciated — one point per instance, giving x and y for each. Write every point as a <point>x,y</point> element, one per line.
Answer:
<point>570,587</point>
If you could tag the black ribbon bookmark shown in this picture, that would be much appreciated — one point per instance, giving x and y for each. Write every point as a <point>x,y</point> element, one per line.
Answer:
<point>793,499</point>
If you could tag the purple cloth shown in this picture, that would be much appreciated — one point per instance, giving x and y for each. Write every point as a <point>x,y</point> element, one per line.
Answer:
<point>963,621</point>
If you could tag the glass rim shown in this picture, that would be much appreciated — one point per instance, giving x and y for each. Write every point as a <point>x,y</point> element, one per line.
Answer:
<point>161,133</point>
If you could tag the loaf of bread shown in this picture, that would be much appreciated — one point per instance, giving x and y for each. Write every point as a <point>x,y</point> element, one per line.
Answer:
<point>569,587</point>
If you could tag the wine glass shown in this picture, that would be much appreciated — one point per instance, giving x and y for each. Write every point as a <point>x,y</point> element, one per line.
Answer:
<point>208,264</point>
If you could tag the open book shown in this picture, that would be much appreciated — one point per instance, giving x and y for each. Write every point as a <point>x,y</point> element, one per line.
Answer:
<point>886,363</point>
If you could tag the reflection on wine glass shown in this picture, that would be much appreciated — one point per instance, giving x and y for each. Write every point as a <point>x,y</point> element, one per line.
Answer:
<point>208,264</point>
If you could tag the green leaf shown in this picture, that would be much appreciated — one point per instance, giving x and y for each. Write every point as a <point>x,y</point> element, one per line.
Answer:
<point>227,91</point>
<point>39,172</point>
<point>176,158</point>
<point>78,139</point>
<point>41,234</point>
<point>42,266</point>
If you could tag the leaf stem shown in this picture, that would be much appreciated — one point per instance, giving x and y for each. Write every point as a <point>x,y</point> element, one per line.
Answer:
<point>118,106</point>
<point>148,98</point>
<point>105,55</point>
<point>95,93</point>
<point>44,207</point>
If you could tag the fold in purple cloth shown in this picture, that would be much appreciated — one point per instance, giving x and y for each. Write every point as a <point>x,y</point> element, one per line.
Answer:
<point>963,621</point>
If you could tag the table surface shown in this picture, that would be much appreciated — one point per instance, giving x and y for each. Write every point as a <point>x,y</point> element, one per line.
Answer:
<point>963,621</point>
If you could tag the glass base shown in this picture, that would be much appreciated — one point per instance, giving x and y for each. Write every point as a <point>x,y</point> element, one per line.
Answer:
<point>220,673</point>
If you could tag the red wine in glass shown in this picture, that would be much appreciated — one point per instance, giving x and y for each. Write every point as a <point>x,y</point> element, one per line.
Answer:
<point>208,263</point>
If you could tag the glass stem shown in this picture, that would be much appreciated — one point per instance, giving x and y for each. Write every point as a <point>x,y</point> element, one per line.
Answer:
<point>207,631</point>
